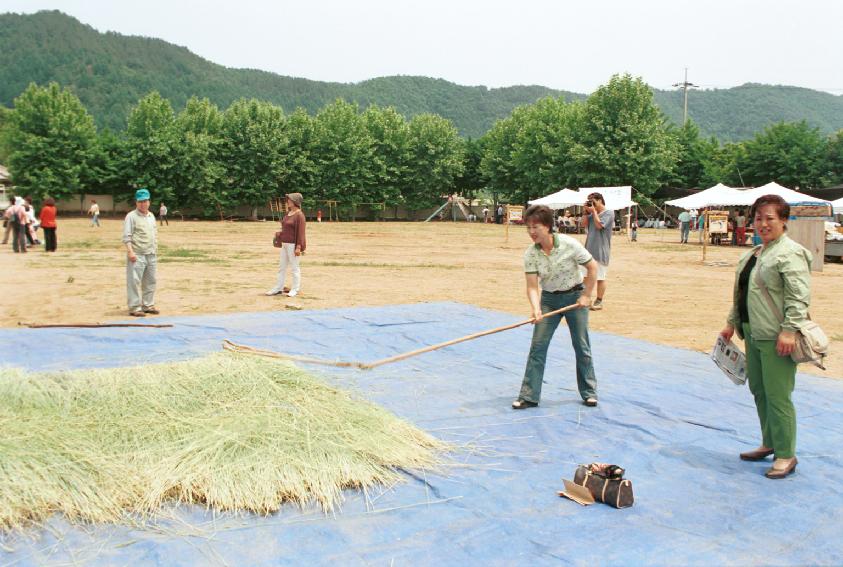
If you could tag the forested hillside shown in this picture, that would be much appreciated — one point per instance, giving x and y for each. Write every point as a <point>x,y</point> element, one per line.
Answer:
<point>111,72</point>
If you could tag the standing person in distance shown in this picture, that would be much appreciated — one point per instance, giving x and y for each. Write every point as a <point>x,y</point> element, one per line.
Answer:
<point>769,331</point>
<point>162,214</point>
<point>684,226</point>
<point>140,235</point>
<point>48,223</point>
<point>598,241</point>
<point>94,211</point>
<point>553,262</point>
<point>293,245</point>
<point>16,217</point>
<point>740,228</point>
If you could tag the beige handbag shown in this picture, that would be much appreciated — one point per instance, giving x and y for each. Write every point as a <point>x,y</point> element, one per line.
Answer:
<point>811,341</point>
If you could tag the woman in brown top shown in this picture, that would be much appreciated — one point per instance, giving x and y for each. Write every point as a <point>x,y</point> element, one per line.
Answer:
<point>293,245</point>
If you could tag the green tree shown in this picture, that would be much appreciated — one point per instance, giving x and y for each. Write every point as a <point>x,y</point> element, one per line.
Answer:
<point>199,173</point>
<point>542,149</point>
<point>51,139</point>
<point>254,151</point>
<point>497,163</point>
<point>390,136</point>
<point>302,176</point>
<point>834,159</point>
<point>436,154</point>
<point>108,172</point>
<point>343,153</point>
<point>725,166</point>
<point>5,131</point>
<point>694,155</point>
<point>151,148</point>
<point>790,153</point>
<point>471,181</point>
<point>623,139</point>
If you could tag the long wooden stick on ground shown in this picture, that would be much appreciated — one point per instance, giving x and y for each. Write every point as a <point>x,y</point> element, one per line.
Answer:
<point>228,345</point>
<point>89,325</point>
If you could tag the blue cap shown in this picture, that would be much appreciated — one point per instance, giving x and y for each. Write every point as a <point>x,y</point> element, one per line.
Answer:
<point>142,195</point>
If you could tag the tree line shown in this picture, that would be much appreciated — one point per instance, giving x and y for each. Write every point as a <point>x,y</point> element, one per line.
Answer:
<point>213,160</point>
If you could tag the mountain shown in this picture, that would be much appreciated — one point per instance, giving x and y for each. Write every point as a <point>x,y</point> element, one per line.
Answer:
<point>110,72</point>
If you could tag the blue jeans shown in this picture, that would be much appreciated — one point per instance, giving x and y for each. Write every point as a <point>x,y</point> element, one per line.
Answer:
<point>577,320</point>
<point>685,231</point>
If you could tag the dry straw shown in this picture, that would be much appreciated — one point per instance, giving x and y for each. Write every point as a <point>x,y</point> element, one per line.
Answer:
<point>228,431</point>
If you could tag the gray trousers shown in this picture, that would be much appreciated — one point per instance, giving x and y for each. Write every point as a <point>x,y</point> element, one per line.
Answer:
<point>140,281</point>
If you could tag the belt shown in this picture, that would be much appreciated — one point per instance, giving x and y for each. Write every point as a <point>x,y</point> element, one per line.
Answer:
<point>577,287</point>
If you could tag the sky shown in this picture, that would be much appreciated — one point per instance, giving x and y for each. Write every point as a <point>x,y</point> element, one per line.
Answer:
<point>573,45</point>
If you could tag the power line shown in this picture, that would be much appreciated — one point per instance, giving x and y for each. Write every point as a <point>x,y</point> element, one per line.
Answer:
<point>685,85</point>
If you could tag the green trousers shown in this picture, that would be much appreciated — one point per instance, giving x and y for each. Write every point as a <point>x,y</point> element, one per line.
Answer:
<point>771,381</point>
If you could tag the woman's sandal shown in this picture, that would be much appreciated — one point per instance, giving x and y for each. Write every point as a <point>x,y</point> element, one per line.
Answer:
<point>523,404</point>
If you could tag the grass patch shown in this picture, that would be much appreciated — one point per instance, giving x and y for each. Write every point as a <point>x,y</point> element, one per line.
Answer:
<point>837,337</point>
<point>85,244</point>
<point>165,252</point>
<point>229,432</point>
<point>391,266</point>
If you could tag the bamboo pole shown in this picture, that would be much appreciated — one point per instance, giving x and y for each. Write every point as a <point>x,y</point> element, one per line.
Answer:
<point>88,325</point>
<point>234,347</point>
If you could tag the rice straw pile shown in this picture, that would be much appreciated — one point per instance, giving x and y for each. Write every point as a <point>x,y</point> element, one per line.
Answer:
<point>228,431</point>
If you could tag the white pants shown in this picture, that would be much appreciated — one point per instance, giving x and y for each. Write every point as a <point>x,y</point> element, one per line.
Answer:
<point>288,258</point>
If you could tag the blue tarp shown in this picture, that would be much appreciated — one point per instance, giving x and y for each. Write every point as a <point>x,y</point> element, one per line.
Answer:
<point>667,415</point>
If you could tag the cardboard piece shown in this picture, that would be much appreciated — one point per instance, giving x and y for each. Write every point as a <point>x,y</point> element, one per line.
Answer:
<point>577,493</point>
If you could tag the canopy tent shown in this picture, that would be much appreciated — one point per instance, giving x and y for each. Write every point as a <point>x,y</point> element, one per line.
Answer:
<point>723,196</point>
<point>615,197</point>
<point>838,206</point>
<point>792,197</point>
<point>561,199</point>
<point>718,196</point>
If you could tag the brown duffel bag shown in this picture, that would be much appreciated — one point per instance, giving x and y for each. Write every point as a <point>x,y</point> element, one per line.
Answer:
<point>616,492</point>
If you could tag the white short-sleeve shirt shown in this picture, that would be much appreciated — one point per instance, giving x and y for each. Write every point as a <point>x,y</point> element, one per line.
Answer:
<point>559,270</point>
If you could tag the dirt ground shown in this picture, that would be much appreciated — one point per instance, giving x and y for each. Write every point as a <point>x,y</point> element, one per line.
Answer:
<point>658,289</point>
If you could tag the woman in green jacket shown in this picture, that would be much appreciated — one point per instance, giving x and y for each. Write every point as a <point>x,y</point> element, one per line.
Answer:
<point>784,268</point>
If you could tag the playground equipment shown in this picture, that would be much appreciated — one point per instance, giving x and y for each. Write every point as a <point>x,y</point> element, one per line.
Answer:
<point>278,208</point>
<point>456,203</point>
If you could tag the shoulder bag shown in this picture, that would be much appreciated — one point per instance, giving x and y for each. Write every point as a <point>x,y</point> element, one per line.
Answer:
<point>811,341</point>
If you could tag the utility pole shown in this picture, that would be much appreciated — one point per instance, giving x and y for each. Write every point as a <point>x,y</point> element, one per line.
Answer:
<point>685,86</point>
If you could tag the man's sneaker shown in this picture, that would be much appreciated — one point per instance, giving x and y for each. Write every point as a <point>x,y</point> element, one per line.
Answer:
<point>590,402</point>
<point>273,291</point>
<point>597,305</point>
<point>292,293</point>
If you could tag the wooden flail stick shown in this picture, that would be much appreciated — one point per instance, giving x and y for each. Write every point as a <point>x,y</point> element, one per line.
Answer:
<point>228,345</point>
<point>89,325</point>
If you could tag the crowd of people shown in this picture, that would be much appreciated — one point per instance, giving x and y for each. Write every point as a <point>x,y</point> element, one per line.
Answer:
<point>564,279</point>
<point>21,225</point>
<point>770,305</point>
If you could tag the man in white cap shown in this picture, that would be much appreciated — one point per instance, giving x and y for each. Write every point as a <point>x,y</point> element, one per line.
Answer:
<point>141,239</point>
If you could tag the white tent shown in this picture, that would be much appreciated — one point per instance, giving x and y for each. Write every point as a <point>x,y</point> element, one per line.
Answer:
<point>789,195</point>
<point>718,196</point>
<point>615,197</point>
<point>561,199</point>
<point>722,196</point>
<point>838,206</point>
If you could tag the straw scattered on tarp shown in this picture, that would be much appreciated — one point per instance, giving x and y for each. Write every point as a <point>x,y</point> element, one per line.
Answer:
<point>231,432</point>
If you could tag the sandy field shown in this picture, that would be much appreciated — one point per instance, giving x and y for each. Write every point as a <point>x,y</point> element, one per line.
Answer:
<point>658,289</point>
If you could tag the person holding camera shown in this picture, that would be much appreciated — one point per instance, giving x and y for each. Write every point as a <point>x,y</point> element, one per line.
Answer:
<point>598,241</point>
